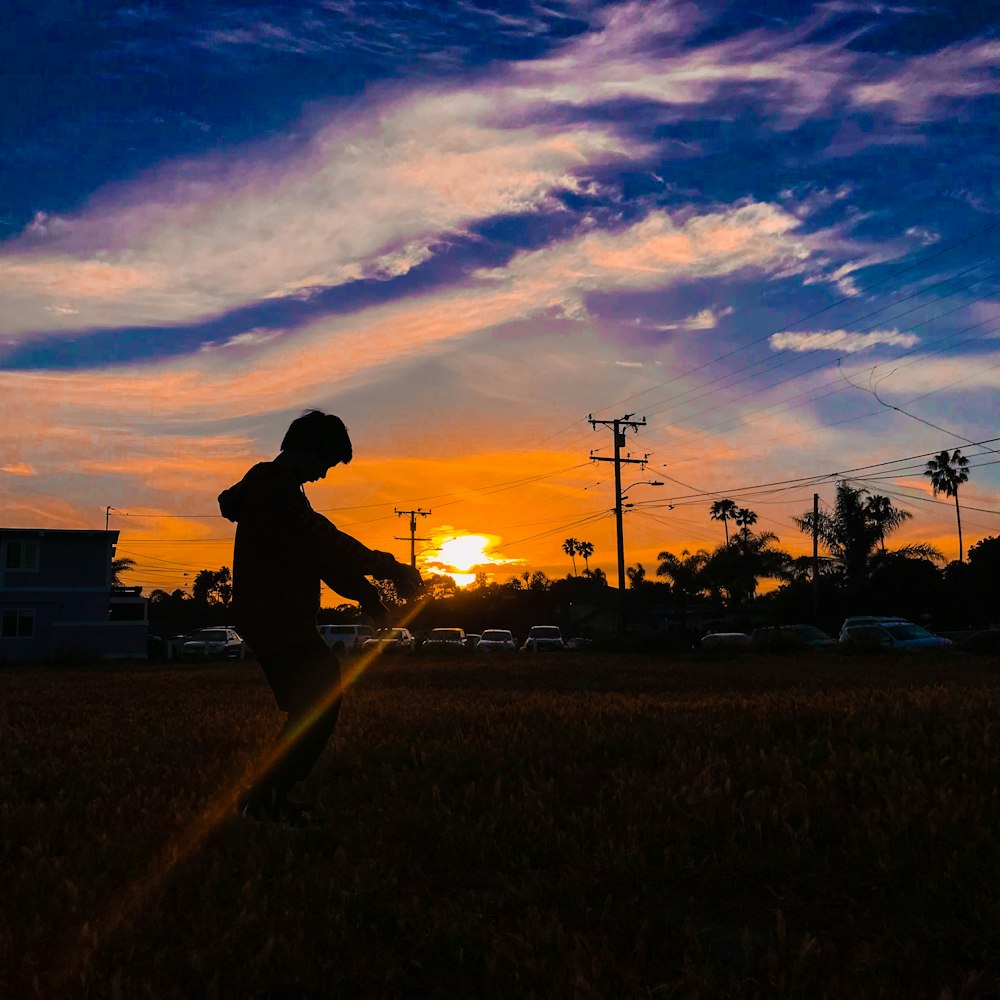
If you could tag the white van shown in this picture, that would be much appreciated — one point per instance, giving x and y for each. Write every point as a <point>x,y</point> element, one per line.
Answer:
<point>346,638</point>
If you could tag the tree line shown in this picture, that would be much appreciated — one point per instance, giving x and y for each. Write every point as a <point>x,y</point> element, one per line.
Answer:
<point>858,573</point>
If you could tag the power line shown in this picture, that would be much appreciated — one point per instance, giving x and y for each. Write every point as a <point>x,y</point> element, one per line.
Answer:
<point>896,273</point>
<point>798,354</point>
<point>818,312</point>
<point>809,395</point>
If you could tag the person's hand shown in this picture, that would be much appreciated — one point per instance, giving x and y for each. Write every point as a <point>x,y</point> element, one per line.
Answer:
<point>376,611</point>
<point>407,580</point>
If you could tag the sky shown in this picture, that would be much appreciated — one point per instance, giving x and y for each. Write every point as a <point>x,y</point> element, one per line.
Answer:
<point>765,231</point>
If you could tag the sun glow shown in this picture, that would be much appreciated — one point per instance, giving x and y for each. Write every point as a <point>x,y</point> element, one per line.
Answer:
<point>462,557</point>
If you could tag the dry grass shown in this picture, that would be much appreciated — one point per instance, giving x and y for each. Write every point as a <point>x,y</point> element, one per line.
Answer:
<point>535,826</point>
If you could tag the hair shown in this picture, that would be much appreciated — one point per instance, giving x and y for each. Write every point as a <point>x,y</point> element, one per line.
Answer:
<point>319,432</point>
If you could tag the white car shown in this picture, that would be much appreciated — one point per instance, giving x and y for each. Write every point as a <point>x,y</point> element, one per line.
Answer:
<point>495,639</point>
<point>390,640</point>
<point>542,638</point>
<point>725,640</point>
<point>346,638</point>
<point>214,643</point>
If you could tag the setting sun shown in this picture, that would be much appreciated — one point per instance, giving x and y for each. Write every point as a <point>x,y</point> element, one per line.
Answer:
<point>463,556</point>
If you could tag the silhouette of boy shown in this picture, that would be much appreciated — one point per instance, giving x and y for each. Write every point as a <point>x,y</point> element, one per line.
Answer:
<point>283,549</point>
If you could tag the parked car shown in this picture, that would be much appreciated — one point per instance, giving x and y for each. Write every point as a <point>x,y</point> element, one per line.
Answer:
<point>389,640</point>
<point>892,633</point>
<point>543,638</point>
<point>856,621</point>
<point>725,640</point>
<point>495,639</point>
<point>346,638</point>
<point>472,639</point>
<point>867,637</point>
<point>444,640</point>
<point>219,643</point>
<point>579,642</point>
<point>781,637</point>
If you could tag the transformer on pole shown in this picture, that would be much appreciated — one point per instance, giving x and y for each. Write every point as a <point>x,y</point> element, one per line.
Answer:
<point>413,514</point>
<point>620,426</point>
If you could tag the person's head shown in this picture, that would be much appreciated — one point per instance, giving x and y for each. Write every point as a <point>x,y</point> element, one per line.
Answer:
<point>316,442</point>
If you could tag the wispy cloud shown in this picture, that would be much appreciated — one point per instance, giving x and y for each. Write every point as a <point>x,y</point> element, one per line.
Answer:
<point>704,319</point>
<point>657,251</point>
<point>377,183</point>
<point>924,87</point>
<point>842,341</point>
<point>366,197</point>
<point>18,469</point>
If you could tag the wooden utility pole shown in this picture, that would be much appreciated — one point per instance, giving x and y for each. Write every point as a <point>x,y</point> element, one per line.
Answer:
<point>815,574</point>
<point>413,531</point>
<point>620,426</point>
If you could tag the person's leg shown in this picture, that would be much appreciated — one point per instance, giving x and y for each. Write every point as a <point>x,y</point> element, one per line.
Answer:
<point>306,684</point>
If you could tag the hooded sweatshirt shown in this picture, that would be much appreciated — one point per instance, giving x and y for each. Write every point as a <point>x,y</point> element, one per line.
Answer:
<point>283,550</point>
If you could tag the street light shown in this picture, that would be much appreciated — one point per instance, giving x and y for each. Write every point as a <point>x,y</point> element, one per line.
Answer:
<point>642,482</point>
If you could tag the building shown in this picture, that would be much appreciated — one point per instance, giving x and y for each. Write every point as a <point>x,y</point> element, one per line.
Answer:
<point>57,599</point>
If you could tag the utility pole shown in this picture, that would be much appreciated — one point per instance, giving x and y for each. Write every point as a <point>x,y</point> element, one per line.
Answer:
<point>815,581</point>
<point>413,531</point>
<point>619,426</point>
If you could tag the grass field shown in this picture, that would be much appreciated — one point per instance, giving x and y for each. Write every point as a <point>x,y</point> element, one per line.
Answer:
<point>575,825</point>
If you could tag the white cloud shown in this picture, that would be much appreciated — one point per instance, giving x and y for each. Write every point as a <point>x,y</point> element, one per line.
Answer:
<point>843,341</point>
<point>347,351</point>
<point>926,237</point>
<point>368,195</point>
<point>378,182</point>
<point>251,338</point>
<point>657,251</point>
<point>704,319</point>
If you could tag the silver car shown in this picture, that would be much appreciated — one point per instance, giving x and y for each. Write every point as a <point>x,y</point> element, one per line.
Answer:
<point>494,640</point>
<point>542,638</point>
<point>445,640</point>
<point>214,643</point>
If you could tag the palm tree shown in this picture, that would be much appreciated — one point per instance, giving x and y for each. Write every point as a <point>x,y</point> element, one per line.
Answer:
<point>685,572</point>
<point>884,516</point>
<point>736,569</point>
<point>585,549</point>
<point>852,533</point>
<point>636,576</point>
<point>724,511</point>
<point>119,566</point>
<point>569,547</point>
<point>947,473</point>
<point>745,517</point>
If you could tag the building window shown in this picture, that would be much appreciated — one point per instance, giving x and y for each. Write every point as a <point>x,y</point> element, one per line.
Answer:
<point>17,624</point>
<point>20,554</point>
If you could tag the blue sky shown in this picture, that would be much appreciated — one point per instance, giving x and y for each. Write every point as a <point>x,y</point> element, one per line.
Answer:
<point>770,228</point>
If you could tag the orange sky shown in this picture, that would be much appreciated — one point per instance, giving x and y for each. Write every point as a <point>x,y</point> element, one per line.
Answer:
<point>464,266</point>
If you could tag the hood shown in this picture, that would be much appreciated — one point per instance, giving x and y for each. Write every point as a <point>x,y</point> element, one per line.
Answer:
<point>231,502</point>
